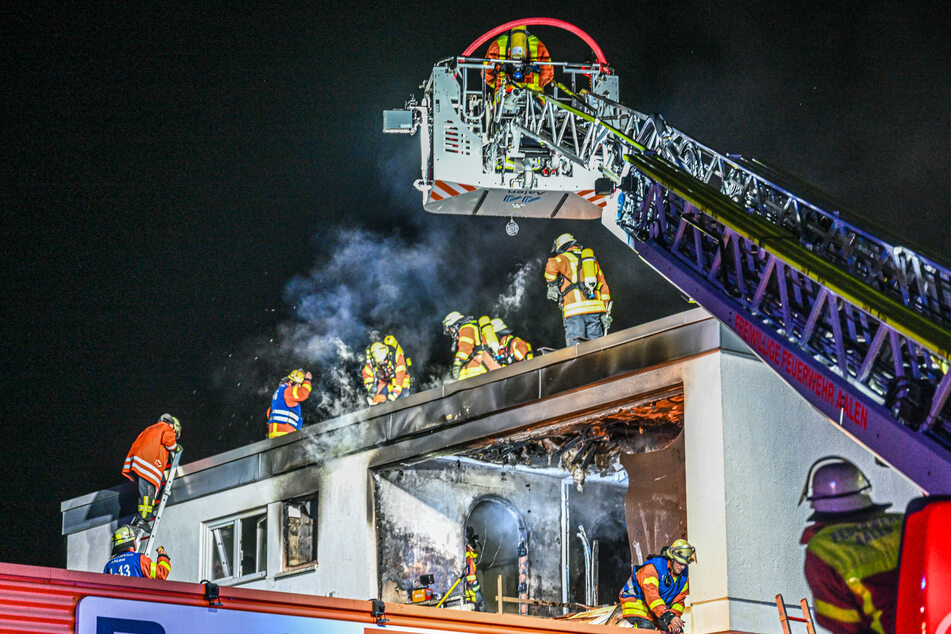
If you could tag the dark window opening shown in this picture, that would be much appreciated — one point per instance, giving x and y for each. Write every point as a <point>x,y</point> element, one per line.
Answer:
<point>300,532</point>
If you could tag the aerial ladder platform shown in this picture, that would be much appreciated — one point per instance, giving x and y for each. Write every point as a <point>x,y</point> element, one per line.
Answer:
<point>856,322</point>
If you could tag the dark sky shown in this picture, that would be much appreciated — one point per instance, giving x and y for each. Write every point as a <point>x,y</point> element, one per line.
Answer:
<point>197,200</point>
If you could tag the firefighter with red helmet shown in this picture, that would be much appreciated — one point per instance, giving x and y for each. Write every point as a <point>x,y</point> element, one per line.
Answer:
<point>146,462</point>
<point>511,347</point>
<point>475,345</point>
<point>526,55</point>
<point>127,562</point>
<point>851,550</point>
<point>385,374</point>
<point>653,597</point>
<point>576,282</point>
<point>284,414</point>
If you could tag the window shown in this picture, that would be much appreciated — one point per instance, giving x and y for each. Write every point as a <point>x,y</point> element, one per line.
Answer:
<point>236,548</point>
<point>300,532</point>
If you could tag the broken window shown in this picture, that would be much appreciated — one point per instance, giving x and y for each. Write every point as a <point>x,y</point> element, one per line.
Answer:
<point>236,548</point>
<point>300,532</point>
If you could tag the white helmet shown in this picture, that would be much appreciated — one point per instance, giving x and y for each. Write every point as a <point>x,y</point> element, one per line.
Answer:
<point>451,320</point>
<point>562,243</point>
<point>499,326</point>
<point>837,487</point>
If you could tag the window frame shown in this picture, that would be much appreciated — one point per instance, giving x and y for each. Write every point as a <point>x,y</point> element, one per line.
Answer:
<point>210,545</point>
<point>313,499</point>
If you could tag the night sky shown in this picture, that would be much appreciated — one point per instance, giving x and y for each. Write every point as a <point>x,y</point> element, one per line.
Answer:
<point>197,201</point>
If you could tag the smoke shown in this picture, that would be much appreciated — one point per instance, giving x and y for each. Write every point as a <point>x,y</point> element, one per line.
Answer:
<point>513,297</point>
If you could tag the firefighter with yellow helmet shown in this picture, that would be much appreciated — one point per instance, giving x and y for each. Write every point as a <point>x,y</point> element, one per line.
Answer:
<point>526,55</point>
<point>653,597</point>
<point>127,562</point>
<point>852,550</point>
<point>576,282</point>
<point>475,344</point>
<point>284,414</point>
<point>385,371</point>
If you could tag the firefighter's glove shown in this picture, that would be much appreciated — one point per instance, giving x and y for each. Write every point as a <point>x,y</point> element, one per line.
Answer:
<point>553,293</point>
<point>161,551</point>
<point>606,321</point>
<point>178,449</point>
<point>455,371</point>
<point>666,618</point>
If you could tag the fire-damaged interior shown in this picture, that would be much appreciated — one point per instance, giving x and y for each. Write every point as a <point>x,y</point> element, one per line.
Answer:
<point>559,510</point>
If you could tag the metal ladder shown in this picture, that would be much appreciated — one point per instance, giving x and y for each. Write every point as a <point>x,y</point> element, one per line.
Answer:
<point>858,326</point>
<point>166,491</point>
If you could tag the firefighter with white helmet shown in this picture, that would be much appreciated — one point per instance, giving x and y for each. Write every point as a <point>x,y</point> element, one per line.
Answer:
<point>474,342</point>
<point>385,374</point>
<point>851,550</point>
<point>511,347</point>
<point>127,562</point>
<point>146,462</point>
<point>653,597</point>
<point>576,282</point>
<point>284,414</point>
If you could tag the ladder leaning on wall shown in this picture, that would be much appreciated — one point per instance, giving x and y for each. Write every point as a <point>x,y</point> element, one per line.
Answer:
<point>784,619</point>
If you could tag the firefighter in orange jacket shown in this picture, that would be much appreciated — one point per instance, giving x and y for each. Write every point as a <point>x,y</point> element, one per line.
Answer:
<point>851,550</point>
<point>511,348</point>
<point>385,374</point>
<point>473,587</point>
<point>655,592</point>
<point>127,562</point>
<point>146,462</point>
<point>284,414</point>
<point>475,343</point>
<point>526,55</point>
<point>576,282</point>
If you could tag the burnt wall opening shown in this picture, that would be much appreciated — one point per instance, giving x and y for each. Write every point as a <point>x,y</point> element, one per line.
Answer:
<point>562,509</point>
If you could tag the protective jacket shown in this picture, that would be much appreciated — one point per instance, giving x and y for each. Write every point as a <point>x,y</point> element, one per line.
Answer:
<point>389,379</point>
<point>474,348</point>
<point>537,53</point>
<point>652,589</point>
<point>852,568</point>
<point>284,415</point>
<point>148,455</point>
<point>473,588</point>
<point>133,564</point>
<point>565,270</point>
<point>512,349</point>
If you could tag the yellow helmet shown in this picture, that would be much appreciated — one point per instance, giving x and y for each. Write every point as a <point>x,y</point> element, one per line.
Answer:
<point>563,242</point>
<point>378,351</point>
<point>682,552</point>
<point>124,535</point>
<point>171,420</point>
<point>296,376</point>
<point>518,47</point>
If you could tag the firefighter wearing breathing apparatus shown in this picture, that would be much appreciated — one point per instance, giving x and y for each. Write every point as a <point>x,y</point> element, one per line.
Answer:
<point>511,347</point>
<point>475,344</point>
<point>385,374</point>
<point>576,282</point>
<point>653,597</point>
<point>526,55</point>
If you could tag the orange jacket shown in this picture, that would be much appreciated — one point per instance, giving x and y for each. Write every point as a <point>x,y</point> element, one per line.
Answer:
<point>513,349</point>
<point>396,363</point>
<point>294,395</point>
<point>537,53</point>
<point>148,455</point>
<point>563,270</point>
<point>472,355</point>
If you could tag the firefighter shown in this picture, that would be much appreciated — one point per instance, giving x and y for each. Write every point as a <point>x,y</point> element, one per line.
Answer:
<point>125,561</point>
<point>284,414</point>
<point>385,374</point>
<point>525,53</point>
<point>511,348</point>
<point>146,462</point>
<point>473,588</point>
<point>851,550</point>
<point>576,282</point>
<point>653,597</point>
<point>475,343</point>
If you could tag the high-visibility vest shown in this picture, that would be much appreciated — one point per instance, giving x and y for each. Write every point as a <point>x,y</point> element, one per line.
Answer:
<point>532,79</point>
<point>148,455</point>
<point>480,358</point>
<point>512,349</point>
<point>128,564</point>
<point>668,587</point>
<point>283,419</point>
<point>569,270</point>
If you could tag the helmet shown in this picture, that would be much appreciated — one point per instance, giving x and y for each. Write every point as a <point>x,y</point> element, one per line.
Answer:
<point>682,552</point>
<point>171,420</point>
<point>499,326</point>
<point>562,243</point>
<point>837,487</point>
<point>378,352</point>
<point>296,376</point>
<point>124,535</point>
<point>518,47</point>
<point>451,320</point>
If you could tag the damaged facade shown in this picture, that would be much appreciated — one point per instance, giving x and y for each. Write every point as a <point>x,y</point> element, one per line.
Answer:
<point>569,467</point>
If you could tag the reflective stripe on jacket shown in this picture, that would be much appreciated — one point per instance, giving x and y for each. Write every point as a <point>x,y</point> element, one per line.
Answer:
<point>512,349</point>
<point>564,269</point>
<point>283,418</point>
<point>652,589</point>
<point>537,52</point>
<point>852,569</point>
<point>148,455</point>
<point>391,375</point>
<point>472,356</point>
